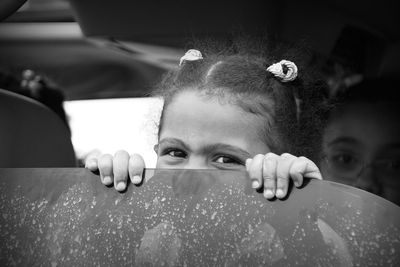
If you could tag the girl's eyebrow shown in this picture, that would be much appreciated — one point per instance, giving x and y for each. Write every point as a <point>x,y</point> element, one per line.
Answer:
<point>173,141</point>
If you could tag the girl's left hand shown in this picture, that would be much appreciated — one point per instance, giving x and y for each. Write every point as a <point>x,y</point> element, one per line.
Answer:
<point>272,173</point>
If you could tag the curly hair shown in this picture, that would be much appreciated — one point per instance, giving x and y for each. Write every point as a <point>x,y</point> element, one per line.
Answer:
<point>235,71</point>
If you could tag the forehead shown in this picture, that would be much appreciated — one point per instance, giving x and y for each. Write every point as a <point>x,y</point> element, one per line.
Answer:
<point>200,120</point>
<point>372,125</point>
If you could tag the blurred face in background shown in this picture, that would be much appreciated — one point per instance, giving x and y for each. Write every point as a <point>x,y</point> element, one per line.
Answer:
<point>361,148</point>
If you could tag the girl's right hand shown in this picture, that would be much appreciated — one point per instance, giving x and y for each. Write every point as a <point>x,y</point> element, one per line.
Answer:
<point>117,169</point>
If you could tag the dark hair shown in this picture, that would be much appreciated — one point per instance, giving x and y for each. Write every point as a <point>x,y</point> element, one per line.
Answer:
<point>236,72</point>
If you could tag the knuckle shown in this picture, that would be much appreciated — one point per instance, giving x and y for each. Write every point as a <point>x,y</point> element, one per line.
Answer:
<point>302,158</point>
<point>258,157</point>
<point>136,161</point>
<point>268,178</point>
<point>271,155</point>
<point>288,157</point>
<point>269,185</point>
<point>269,163</point>
<point>121,153</point>
<point>282,179</point>
<point>136,157</point>
<point>105,157</point>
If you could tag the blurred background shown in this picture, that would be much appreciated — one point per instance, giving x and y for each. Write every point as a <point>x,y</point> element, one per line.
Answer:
<point>104,56</point>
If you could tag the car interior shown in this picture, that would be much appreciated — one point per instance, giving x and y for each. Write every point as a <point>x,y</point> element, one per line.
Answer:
<point>76,80</point>
<point>112,51</point>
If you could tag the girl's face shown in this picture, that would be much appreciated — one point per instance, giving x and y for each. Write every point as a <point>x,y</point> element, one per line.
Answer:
<point>202,133</point>
<point>362,148</point>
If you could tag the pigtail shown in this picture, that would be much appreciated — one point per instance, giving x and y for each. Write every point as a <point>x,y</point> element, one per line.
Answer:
<point>312,114</point>
<point>187,74</point>
<point>190,55</point>
<point>285,115</point>
<point>284,70</point>
<point>300,110</point>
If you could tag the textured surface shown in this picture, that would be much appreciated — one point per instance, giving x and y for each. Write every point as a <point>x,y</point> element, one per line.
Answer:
<point>66,217</point>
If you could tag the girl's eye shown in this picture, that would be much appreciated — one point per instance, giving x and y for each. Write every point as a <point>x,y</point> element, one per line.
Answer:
<point>176,153</point>
<point>227,160</point>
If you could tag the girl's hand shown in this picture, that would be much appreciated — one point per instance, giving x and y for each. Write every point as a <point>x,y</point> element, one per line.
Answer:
<point>117,169</point>
<point>272,173</point>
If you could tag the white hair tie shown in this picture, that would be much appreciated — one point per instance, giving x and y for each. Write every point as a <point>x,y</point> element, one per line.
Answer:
<point>277,70</point>
<point>191,55</point>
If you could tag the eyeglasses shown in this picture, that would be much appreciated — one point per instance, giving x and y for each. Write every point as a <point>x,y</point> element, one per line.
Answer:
<point>349,167</point>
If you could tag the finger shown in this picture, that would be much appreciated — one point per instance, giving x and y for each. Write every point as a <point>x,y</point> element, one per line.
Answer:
<point>269,175</point>
<point>296,174</point>
<point>311,170</point>
<point>255,171</point>
<point>303,167</point>
<point>136,167</point>
<point>284,162</point>
<point>247,164</point>
<point>105,168</point>
<point>92,164</point>
<point>120,169</point>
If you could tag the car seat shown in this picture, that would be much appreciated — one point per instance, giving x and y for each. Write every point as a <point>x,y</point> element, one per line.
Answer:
<point>31,135</point>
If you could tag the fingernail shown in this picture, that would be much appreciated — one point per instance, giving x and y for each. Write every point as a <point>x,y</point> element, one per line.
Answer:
<point>268,193</point>
<point>107,180</point>
<point>255,184</point>
<point>120,186</point>
<point>136,179</point>
<point>279,193</point>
